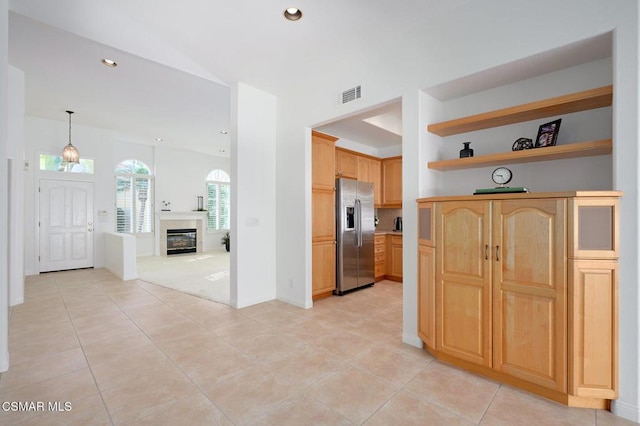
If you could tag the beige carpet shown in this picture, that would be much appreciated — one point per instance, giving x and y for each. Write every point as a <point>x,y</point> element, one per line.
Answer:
<point>200,274</point>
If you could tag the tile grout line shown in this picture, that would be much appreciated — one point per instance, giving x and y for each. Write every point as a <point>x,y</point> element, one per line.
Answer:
<point>95,382</point>
<point>200,390</point>
<point>500,385</point>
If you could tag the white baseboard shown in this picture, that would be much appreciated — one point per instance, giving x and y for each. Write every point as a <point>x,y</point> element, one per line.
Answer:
<point>625,410</point>
<point>412,339</point>
<point>16,302</point>
<point>4,362</point>
<point>294,302</point>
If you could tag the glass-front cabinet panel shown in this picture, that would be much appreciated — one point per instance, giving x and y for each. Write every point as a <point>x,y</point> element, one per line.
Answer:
<point>594,229</point>
<point>426,224</point>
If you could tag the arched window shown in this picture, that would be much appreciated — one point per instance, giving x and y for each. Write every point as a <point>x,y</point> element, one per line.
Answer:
<point>218,200</point>
<point>134,197</point>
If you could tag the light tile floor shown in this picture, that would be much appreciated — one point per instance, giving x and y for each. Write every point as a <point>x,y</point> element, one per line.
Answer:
<point>137,353</point>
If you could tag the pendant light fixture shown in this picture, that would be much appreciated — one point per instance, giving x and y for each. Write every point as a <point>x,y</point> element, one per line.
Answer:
<point>70,154</point>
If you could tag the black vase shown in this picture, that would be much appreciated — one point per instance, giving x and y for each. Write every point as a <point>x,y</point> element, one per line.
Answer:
<point>227,245</point>
<point>466,152</point>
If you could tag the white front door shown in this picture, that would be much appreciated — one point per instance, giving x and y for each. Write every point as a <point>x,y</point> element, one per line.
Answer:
<point>66,225</point>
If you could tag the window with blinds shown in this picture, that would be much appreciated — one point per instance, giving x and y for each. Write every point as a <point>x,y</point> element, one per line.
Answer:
<point>218,200</point>
<point>134,198</point>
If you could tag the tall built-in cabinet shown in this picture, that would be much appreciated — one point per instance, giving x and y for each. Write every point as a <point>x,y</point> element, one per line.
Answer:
<point>323,255</point>
<point>524,289</point>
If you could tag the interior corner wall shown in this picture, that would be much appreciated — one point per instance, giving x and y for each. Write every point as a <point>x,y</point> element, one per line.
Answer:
<point>15,153</point>
<point>253,196</point>
<point>626,158</point>
<point>4,118</point>
<point>410,190</point>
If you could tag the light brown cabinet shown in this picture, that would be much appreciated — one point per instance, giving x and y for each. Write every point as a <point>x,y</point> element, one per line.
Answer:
<point>346,165</point>
<point>529,290</point>
<point>463,281</point>
<point>323,255</point>
<point>523,288</point>
<point>351,164</point>
<point>375,176</point>
<point>392,182</point>
<point>379,249</point>
<point>394,258</point>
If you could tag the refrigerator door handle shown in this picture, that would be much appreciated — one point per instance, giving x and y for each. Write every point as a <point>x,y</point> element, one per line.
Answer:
<point>358,223</point>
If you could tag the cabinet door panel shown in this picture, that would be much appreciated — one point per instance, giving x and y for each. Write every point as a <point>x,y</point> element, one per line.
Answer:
<point>529,279</point>
<point>323,163</point>
<point>427,296</point>
<point>392,181</point>
<point>346,164</point>
<point>323,267</point>
<point>323,215</point>
<point>463,280</point>
<point>375,174</point>
<point>593,328</point>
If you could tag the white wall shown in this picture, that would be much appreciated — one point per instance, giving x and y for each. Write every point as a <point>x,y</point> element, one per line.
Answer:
<point>15,153</point>
<point>172,182</point>
<point>4,260</point>
<point>253,196</point>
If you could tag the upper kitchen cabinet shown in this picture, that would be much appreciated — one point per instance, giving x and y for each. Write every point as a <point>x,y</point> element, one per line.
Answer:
<point>392,182</point>
<point>369,171</point>
<point>375,174</point>
<point>346,164</point>
<point>323,160</point>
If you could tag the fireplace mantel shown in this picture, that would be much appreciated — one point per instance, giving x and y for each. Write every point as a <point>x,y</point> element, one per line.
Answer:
<point>177,219</point>
<point>171,215</point>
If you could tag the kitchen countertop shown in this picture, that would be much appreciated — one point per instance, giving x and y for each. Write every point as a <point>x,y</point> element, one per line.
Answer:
<point>388,233</point>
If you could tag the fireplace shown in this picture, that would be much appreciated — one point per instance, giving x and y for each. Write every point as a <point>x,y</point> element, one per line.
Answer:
<point>181,241</point>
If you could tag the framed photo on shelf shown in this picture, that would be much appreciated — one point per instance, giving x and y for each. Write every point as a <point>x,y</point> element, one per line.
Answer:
<point>548,134</point>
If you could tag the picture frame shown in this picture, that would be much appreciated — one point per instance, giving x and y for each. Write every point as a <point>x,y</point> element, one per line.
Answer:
<point>548,134</point>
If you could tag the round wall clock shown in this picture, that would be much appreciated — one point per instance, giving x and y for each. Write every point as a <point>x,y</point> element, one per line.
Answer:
<point>501,176</point>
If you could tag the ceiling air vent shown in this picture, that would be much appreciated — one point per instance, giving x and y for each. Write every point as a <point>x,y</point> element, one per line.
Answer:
<point>350,95</point>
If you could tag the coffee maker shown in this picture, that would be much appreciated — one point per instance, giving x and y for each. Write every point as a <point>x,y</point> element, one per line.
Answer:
<point>397,224</point>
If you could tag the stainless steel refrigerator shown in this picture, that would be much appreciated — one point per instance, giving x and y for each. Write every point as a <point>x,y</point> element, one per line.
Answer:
<point>355,235</point>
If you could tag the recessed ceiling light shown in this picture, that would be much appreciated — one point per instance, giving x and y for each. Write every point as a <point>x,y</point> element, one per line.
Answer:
<point>159,139</point>
<point>292,13</point>
<point>224,132</point>
<point>222,150</point>
<point>109,62</point>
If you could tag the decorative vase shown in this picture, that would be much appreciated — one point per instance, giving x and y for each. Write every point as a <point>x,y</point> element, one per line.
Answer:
<point>200,203</point>
<point>466,151</point>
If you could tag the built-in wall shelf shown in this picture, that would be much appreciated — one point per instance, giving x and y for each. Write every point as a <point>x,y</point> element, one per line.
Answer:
<point>574,102</point>
<point>573,150</point>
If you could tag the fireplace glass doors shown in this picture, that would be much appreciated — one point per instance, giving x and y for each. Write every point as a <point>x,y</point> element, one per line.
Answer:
<point>181,241</point>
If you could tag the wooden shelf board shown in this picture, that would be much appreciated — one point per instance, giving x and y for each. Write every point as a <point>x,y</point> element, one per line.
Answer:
<point>574,102</point>
<point>574,150</point>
